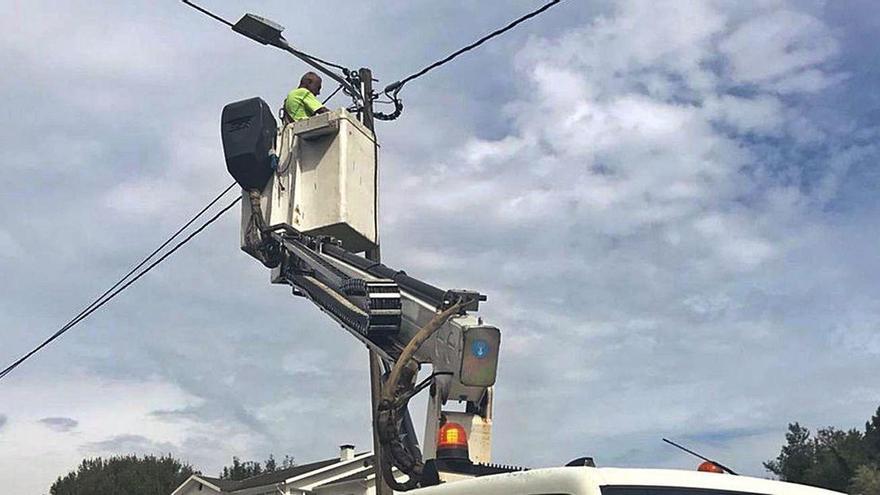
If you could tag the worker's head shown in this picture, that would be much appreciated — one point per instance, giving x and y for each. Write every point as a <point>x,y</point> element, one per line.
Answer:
<point>311,82</point>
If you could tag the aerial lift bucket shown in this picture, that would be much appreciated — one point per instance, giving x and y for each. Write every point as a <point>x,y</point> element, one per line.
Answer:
<point>317,175</point>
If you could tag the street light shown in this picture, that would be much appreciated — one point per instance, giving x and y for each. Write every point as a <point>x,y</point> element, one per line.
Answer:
<point>268,32</point>
<point>261,30</point>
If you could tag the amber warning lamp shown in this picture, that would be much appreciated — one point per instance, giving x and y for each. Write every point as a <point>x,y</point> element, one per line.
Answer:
<point>710,467</point>
<point>452,442</point>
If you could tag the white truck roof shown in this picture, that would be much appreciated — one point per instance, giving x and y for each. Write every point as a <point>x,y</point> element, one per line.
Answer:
<point>617,481</point>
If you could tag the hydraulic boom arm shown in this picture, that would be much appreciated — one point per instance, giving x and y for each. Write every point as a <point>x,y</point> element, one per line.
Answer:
<point>308,209</point>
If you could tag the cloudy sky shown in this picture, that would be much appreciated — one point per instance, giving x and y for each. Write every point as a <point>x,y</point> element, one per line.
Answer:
<point>671,205</point>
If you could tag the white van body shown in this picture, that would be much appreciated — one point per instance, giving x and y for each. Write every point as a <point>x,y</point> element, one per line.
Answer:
<point>617,481</point>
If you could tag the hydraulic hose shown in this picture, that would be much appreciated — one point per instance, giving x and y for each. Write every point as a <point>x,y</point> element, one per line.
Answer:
<point>418,339</point>
<point>394,399</point>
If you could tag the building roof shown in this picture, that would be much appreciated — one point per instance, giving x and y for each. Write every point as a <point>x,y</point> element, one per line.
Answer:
<point>274,477</point>
<point>224,485</point>
<point>281,474</point>
<point>312,474</point>
<point>358,476</point>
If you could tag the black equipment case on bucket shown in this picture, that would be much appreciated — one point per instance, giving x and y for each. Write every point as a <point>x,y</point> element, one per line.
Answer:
<point>248,130</point>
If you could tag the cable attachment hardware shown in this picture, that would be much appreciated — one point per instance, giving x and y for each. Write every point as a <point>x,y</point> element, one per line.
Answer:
<point>398,104</point>
<point>467,300</point>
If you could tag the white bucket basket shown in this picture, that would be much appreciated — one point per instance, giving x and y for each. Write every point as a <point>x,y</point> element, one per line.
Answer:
<point>326,180</point>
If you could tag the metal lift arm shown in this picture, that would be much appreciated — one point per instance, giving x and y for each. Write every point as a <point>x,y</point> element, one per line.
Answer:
<point>405,320</point>
<point>369,309</point>
<point>382,307</point>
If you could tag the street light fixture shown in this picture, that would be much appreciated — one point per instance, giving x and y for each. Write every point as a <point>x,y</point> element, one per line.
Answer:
<point>268,32</point>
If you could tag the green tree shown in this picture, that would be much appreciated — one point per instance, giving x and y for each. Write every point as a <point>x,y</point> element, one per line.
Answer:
<point>239,470</point>
<point>866,481</point>
<point>128,474</point>
<point>796,456</point>
<point>838,455</point>
<point>872,438</point>
<point>841,460</point>
<point>270,464</point>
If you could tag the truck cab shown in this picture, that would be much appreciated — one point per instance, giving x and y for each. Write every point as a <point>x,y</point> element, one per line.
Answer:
<point>618,481</point>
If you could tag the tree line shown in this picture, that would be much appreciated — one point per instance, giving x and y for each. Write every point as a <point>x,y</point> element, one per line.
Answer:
<point>239,470</point>
<point>149,475</point>
<point>843,460</point>
<point>129,474</point>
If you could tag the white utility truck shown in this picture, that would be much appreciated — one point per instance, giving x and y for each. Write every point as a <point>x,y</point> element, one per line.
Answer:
<point>310,191</point>
<point>617,481</point>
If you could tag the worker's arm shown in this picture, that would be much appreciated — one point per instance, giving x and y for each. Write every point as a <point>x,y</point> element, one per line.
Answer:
<point>313,106</point>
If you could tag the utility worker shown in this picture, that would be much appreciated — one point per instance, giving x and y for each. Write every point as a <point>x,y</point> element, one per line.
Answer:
<point>301,103</point>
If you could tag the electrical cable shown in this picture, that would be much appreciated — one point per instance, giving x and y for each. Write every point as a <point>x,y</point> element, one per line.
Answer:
<point>331,95</point>
<point>96,305</point>
<point>285,43</point>
<point>208,13</point>
<point>473,45</point>
<point>156,251</point>
<point>392,90</point>
<point>316,59</point>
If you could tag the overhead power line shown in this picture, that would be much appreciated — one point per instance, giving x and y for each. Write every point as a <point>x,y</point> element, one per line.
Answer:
<point>320,60</point>
<point>155,251</point>
<point>332,94</point>
<point>110,293</point>
<point>393,87</point>
<point>209,13</point>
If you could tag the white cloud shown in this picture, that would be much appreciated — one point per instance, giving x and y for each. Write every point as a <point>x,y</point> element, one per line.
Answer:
<point>120,47</point>
<point>859,333</point>
<point>733,238</point>
<point>145,197</point>
<point>762,115</point>
<point>594,141</point>
<point>60,423</point>
<point>9,247</point>
<point>636,236</point>
<point>781,49</point>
